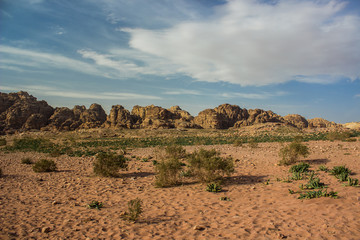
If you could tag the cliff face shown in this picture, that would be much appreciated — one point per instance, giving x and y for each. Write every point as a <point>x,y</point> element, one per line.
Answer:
<point>21,111</point>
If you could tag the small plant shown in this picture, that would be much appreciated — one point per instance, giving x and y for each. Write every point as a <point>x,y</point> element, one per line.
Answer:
<point>340,172</point>
<point>185,173</point>
<point>167,172</point>
<point>297,176</point>
<point>225,199</point>
<point>354,182</point>
<point>108,164</point>
<point>213,187</point>
<point>26,161</point>
<point>314,183</point>
<point>238,143</point>
<point>44,165</point>
<point>323,168</point>
<point>3,142</point>
<point>338,136</point>
<point>154,162</point>
<point>267,182</point>
<point>208,166</point>
<point>134,210</point>
<point>291,191</point>
<point>95,205</point>
<point>175,151</point>
<point>318,194</point>
<point>291,153</point>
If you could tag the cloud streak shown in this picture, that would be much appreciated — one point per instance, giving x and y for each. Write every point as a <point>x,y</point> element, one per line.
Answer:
<point>54,92</point>
<point>249,42</point>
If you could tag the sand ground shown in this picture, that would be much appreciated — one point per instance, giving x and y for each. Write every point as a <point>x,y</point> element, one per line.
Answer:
<point>53,205</point>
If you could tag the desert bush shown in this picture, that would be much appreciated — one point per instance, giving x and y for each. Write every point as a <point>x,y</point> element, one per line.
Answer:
<point>168,172</point>
<point>354,182</point>
<point>300,168</point>
<point>314,183</point>
<point>340,172</point>
<point>291,153</point>
<point>238,143</point>
<point>44,165</point>
<point>95,205</point>
<point>26,160</point>
<point>323,168</point>
<point>134,210</point>
<point>175,151</point>
<point>3,142</point>
<point>208,166</point>
<point>108,164</point>
<point>342,136</point>
<point>213,187</point>
<point>318,194</point>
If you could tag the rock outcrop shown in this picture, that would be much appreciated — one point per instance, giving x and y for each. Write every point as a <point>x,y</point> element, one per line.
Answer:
<point>321,123</point>
<point>119,117</point>
<point>77,118</point>
<point>296,120</point>
<point>21,111</point>
<point>256,116</point>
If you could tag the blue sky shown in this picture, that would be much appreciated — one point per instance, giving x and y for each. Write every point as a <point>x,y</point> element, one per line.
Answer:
<point>288,56</point>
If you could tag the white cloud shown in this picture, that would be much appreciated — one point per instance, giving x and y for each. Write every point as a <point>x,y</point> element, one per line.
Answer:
<point>263,95</point>
<point>43,61</point>
<point>249,42</point>
<point>182,92</point>
<point>55,92</point>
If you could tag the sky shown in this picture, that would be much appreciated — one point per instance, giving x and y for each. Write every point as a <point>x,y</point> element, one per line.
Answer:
<point>288,56</point>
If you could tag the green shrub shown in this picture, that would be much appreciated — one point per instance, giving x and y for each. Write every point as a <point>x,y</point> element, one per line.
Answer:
<point>208,166</point>
<point>238,143</point>
<point>175,151</point>
<point>340,172</point>
<point>213,187</point>
<point>168,172</point>
<point>323,168</point>
<point>314,183</point>
<point>300,168</point>
<point>354,182</point>
<point>109,164</point>
<point>44,165</point>
<point>318,194</point>
<point>342,136</point>
<point>291,153</point>
<point>134,210</point>
<point>3,142</point>
<point>95,205</point>
<point>26,160</point>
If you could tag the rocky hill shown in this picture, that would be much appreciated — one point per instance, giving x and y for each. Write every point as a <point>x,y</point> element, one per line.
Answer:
<point>21,112</point>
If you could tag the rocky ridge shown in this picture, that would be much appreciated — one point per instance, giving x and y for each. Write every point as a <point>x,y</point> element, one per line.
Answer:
<point>21,112</point>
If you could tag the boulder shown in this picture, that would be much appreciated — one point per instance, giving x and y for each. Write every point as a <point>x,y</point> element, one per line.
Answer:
<point>152,117</point>
<point>119,117</point>
<point>93,117</point>
<point>296,120</point>
<point>256,116</point>
<point>17,108</point>
<point>321,123</point>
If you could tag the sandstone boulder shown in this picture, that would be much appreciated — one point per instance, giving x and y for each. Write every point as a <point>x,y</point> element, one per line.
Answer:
<point>119,117</point>
<point>152,117</point>
<point>17,108</point>
<point>321,123</point>
<point>296,120</point>
<point>257,116</point>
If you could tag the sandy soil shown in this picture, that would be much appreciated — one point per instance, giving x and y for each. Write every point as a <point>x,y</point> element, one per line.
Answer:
<point>53,205</point>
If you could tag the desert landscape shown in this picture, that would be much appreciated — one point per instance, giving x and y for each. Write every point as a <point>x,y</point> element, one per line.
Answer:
<point>258,200</point>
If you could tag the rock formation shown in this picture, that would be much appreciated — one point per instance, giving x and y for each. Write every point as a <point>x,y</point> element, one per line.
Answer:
<point>119,117</point>
<point>21,111</point>
<point>321,123</point>
<point>296,120</point>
